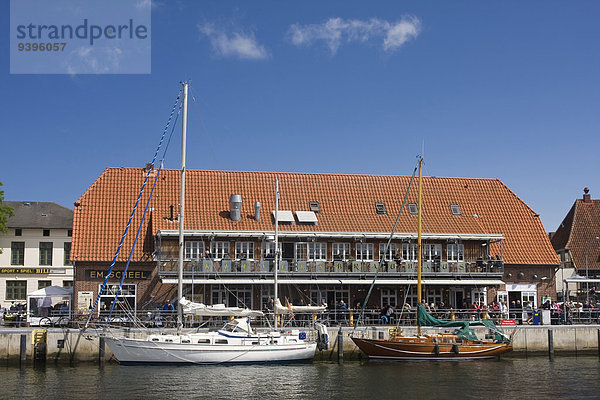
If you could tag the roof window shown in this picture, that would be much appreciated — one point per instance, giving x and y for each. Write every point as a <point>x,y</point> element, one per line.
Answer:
<point>314,206</point>
<point>413,209</point>
<point>380,208</point>
<point>455,209</point>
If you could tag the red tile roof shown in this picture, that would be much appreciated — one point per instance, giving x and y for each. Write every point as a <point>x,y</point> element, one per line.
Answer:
<point>578,232</point>
<point>347,204</point>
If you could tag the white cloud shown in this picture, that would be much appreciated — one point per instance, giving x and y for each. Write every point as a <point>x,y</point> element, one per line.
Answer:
<point>336,31</point>
<point>240,45</point>
<point>96,60</point>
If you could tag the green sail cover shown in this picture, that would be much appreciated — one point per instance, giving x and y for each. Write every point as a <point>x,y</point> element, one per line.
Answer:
<point>464,327</point>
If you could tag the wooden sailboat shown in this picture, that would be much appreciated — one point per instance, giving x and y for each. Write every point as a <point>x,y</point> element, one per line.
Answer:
<point>462,344</point>
<point>237,342</point>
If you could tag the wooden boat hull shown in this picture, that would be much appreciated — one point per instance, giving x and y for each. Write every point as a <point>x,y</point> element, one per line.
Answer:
<point>427,350</point>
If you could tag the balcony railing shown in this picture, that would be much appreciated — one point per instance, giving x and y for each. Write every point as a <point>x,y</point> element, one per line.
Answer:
<point>169,265</point>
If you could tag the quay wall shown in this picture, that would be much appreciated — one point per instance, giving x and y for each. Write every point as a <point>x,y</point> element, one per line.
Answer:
<point>66,346</point>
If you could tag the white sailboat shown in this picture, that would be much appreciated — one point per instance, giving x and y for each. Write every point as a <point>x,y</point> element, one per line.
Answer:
<point>237,341</point>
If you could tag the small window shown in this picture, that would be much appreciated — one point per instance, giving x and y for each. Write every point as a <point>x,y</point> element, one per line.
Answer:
<point>69,232</point>
<point>44,284</point>
<point>18,232</point>
<point>455,208</point>
<point>46,232</point>
<point>220,341</point>
<point>314,206</point>
<point>380,208</point>
<point>67,284</point>
<point>413,209</point>
<point>203,341</point>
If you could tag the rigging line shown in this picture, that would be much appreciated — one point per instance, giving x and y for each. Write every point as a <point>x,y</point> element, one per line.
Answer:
<point>118,291</point>
<point>362,311</point>
<point>112,265</point>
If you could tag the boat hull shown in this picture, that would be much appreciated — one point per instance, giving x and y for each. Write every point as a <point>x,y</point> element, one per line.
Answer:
<point>405,350</point>
<point>134,351</point>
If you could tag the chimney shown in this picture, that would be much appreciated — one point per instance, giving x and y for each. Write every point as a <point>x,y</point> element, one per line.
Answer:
<point>235,207</point>
<point>586,195</point>
<point>257,211</point>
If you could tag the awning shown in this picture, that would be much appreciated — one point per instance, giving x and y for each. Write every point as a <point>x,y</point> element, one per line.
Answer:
<point>582,279</point>
<point>330,281</point>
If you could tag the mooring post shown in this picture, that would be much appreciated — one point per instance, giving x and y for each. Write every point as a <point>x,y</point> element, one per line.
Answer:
<point>340,340</point>
<point>23,348</point>
<point>101,350</point>
<point>550,343</point>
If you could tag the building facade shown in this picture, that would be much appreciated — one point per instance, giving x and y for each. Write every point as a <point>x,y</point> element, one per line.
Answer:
<point>577,243</point>
<point>480,241</point>
<point>35,250</point>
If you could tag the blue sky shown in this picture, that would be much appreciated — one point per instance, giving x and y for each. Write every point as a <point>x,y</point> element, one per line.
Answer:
<point>507,90</point>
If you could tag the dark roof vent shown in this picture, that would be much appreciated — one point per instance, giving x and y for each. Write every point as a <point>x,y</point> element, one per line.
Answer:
<point>314,206</point>
<point>455,209</point>
<point>380,208</point>
<point>413,209</point>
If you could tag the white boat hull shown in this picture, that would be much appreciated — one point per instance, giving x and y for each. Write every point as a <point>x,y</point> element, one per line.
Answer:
<point>130,351</point>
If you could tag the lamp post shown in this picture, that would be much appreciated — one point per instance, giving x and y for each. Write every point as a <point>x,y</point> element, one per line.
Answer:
<point>587,284</point>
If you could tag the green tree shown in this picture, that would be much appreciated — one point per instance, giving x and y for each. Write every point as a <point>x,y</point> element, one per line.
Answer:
<point>5,212</point>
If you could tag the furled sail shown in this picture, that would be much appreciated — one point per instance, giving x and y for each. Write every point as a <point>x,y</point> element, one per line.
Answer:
<point>280,309</point>
<point>200,309</point>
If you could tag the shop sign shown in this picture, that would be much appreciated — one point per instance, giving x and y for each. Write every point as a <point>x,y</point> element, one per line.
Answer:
<point>101,275</point>
<point>31,271</point>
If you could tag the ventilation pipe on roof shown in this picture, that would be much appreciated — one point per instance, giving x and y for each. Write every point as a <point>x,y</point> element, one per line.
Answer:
<point>257,211</point>
<point>586,196</point>
<point>235,207</point>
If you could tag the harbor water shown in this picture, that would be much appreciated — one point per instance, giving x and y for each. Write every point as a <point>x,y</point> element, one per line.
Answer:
<point>511,377</point>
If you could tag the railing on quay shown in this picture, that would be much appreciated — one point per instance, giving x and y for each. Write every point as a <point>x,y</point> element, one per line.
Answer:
<point>168,265</point>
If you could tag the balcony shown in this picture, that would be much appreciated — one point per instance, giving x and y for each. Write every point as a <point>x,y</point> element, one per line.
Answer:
<point>168,266</point>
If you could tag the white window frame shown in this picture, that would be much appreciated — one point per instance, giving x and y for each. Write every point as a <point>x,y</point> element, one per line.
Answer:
<point>343,249</point>
<point>268,250</point>
<point>409,252</point>
<point>389,297</point>
<point>391,251</point>
<point>431,250</point>
<point>364,251</point>
<point>245,249</point>
<point>128,291</point>
<point>317,251</point>
<point>194,250</point>
<point>455,252</point>
<point>219,249</point>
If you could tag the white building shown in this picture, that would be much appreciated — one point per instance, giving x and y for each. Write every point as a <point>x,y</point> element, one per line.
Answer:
<point>36,250</point>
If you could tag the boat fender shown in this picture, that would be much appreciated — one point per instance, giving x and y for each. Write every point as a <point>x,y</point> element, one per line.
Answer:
<point>455,348</point>
<point>436,350</point>
<point>322,337</point>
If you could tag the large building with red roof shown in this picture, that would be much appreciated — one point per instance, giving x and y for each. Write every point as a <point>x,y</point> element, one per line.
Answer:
<point>577,243</point>
<point>480,240</point>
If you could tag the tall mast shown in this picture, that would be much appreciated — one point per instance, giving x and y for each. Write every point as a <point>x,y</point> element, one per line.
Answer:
<point>276,267</point>
<point>182,208</point>
<point>419,251</point>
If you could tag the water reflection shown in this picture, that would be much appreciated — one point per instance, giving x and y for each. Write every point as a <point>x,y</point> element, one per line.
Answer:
<point>565,377</point>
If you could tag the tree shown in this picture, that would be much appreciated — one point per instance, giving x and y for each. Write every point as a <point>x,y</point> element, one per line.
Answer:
<point>5,212</point>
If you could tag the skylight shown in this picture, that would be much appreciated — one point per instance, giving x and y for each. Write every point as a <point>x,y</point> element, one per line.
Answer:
<point>413,209</point>
<point>455,209</point>
<point>380,208</point>
<point>314,206</point>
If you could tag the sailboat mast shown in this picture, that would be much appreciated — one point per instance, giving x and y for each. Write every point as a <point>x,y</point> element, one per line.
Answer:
<point>276,267</point>
<point>182,208</point>
<point>419,247</point>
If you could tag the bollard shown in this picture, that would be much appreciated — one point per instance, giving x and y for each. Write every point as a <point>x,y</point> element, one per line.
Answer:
<point>340,346</point>
<point>598,342</point>
<point>101,350</point>
<point>550,343</point>
<point>23,348</point>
